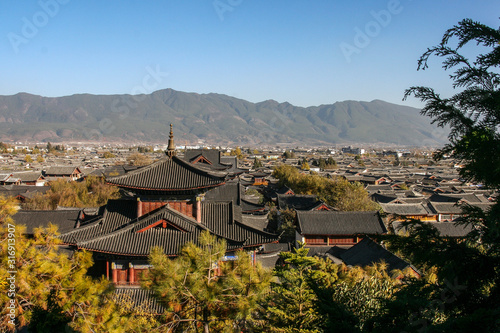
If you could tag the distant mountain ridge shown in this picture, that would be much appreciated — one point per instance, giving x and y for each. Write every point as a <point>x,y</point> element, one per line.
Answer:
<point>212,118</point>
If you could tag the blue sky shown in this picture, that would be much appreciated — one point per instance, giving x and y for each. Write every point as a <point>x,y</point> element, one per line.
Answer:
<point>302,52</point>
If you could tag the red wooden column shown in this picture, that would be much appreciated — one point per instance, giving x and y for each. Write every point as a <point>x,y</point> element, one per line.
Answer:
<point>114,273</point>
<point>107,270</point>
<point>198,209</point>
<point>131,273</point>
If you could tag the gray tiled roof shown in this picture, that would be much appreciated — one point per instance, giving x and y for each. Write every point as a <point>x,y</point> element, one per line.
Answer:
<point>405,209</point>
<point>367,252</point>
<point>221,219</point>
<point>22,190</point>
<point>212,155</point>
<point>28,176</point>
<point>64,219</point>
<point>5,176</point>
<point>119,232</point>
<point>169,174</point>
<point>447,229</point>
<point>297,201</point>
<point>234,192</point>
<point>339,223</point>
<point>61,170</point>
<point>445,208</point>
<point>117,214</point>
<point>258,222</point>
<point>128,241</point>
<point>227,192</point>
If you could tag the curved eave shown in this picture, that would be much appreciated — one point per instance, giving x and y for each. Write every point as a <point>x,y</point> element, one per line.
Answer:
<point>253,245</point>
<point>166,189</point>
<point>122,254</point>
<point>254,210</point>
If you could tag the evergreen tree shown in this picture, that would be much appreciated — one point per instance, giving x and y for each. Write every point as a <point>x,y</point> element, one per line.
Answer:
<point>8,207</point>
<point>305,166</point>
<point>92,192</point>
<point>292,302</point>
<point>201,290</point>
<point>237,152</point>
<point>336,192</point>
<point>322,163</point>
<point>462,290</point>
<point>257,163</point>
<point>331,163</point>
<point>50,285</point>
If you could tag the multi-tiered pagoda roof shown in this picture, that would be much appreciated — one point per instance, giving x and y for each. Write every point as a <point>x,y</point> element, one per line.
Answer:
<point>169,175</point>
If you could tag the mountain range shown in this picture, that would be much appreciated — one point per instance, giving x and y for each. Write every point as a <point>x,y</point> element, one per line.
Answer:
<point>212,119</point>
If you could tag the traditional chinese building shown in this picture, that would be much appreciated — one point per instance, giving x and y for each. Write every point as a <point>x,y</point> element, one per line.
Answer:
<point>167,204</point>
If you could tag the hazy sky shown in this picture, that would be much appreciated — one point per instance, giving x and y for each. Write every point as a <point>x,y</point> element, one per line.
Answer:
<point>302,52</point>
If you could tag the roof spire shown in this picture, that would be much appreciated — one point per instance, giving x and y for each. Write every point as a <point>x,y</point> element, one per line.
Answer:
<point>171,147</point>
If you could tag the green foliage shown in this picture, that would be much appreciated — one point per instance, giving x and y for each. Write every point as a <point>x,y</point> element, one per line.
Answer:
<point>362,292</point>
<point>463,294</point>
<point>257,163</point>
<point>92,192</point>
<point>337,192</point>
<point>316,295</point>
<point>3,147</point>
<point>292,302</point>
<point>8,207</point>
<point>139,159</point>
<point>305,166</point>
<point>331,163</point>
<point>286,224</point>
<point>288,154</point>
<point>473,113</point>
<point>200,290</point>
<point>254,192</point>
<point>50,284</point>
<point>322,163</point>
<point>144,149</point>
<point>108,154</point>
<point>282,222</point>
<point>49,320</point>
<point>237,152</point>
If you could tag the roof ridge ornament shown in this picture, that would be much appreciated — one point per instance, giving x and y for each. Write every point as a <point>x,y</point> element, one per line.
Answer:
<point>171,146</point>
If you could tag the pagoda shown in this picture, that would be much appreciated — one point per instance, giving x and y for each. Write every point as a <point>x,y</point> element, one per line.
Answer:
<point>168,204</point>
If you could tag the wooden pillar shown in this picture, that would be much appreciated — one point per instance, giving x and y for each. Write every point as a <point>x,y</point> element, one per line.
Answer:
<point>131,273</point>
<point>107,270</point>
<point>139,207</point>
<point>114,273</point>
<point>198,209</point>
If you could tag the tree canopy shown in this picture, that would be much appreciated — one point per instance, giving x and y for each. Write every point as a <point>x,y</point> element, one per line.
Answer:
<point>336,192</point>
<point>50,290</point>
<point>464,291</point>
<point>199,289</point>
<point>92,192</point>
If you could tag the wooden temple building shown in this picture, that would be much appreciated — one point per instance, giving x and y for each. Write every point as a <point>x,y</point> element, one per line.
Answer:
<point>167,204</point>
